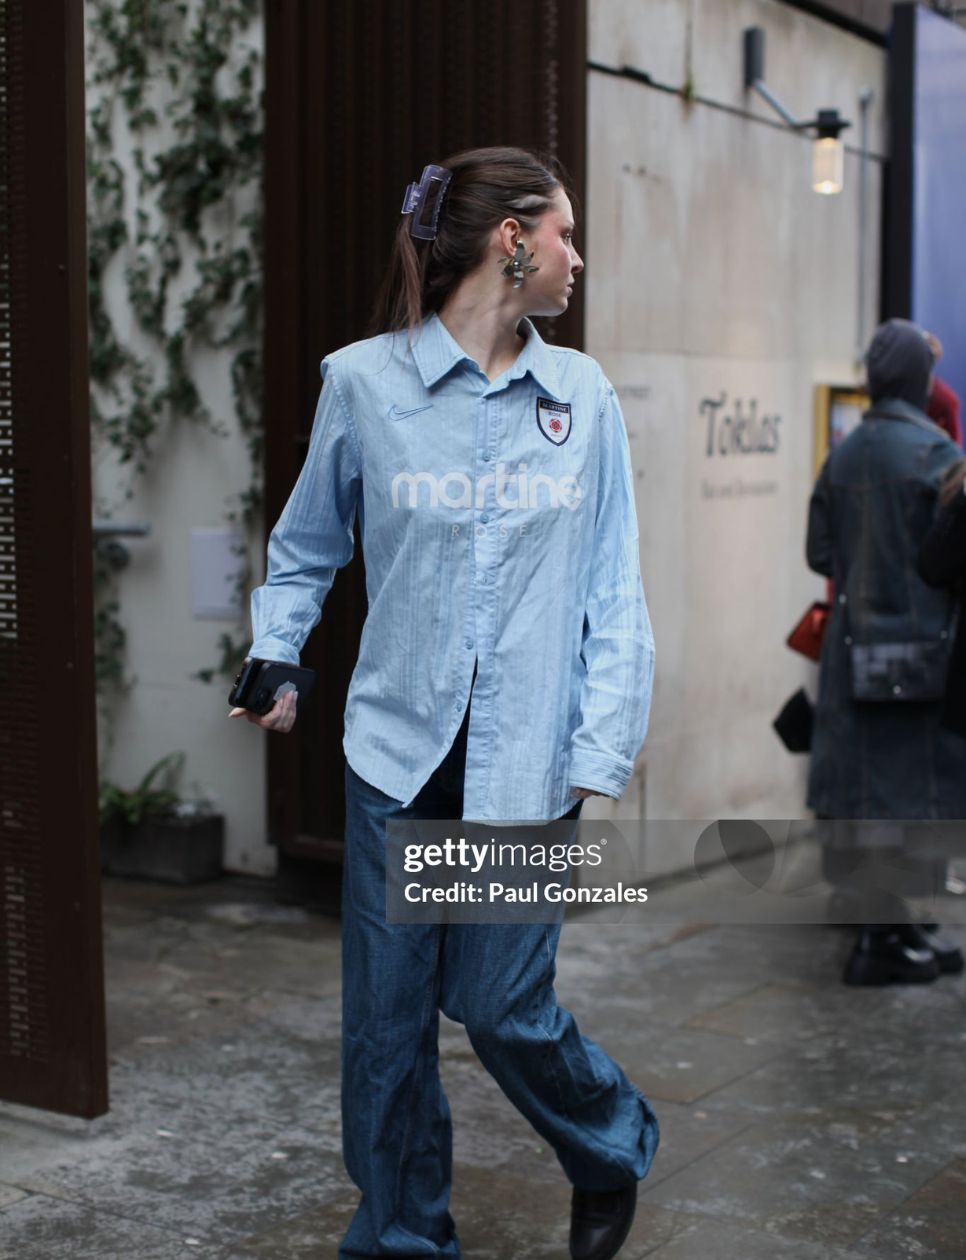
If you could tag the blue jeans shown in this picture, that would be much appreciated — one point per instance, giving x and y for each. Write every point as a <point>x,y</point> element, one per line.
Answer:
<point>495,979</point>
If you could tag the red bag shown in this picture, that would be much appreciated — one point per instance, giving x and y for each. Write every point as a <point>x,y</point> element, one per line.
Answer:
<point>808,634</point>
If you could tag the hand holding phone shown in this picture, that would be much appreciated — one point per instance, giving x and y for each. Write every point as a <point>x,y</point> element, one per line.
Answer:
<point>281,717</point>
<point>267,692</point>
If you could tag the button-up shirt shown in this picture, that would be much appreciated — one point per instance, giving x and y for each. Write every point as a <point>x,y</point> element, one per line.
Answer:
<point>499,534</point>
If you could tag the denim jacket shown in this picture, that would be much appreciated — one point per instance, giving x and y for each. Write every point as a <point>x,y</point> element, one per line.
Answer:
<point>873,503</point>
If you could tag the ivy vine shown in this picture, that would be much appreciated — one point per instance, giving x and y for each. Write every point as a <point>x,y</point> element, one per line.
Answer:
<point>176,81</point>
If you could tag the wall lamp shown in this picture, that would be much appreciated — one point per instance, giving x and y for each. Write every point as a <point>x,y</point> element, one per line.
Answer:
<point>827,151</point>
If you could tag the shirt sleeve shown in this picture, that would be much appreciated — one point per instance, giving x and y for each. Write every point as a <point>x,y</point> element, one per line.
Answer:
<point>313,536</point>
<point>618,646</point>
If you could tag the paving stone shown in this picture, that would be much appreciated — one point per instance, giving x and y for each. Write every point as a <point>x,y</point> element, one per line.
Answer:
<point>634,975</point>
<point>941,1125</point>
<point>311,1235</point>
<point>223,1137</point>
<point>724,1240</point>
<point>313,1019</point>
<point>804,1179</point>
<point>681,1065</point>
<point>887,1065</point>
<point>258,959</point>
<point>41,1228</point>
<point>929,1225</point>
<point>197,1182</point>
<point>255,1068</point>
<point>787,1013</point>
<point>10,1194</point>
<point>31,1140</point>
<point>687,1133</point>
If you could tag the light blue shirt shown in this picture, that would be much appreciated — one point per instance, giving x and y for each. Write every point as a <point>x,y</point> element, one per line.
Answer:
<point>498,529</point>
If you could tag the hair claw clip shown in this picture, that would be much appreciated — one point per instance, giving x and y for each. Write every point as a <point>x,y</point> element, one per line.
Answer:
<point>424,201</point>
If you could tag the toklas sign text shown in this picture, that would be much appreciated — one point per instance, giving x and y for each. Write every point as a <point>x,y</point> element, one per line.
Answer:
<point>738,429</point>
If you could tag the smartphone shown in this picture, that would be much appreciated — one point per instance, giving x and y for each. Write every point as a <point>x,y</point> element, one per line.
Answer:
<point>260,683</point>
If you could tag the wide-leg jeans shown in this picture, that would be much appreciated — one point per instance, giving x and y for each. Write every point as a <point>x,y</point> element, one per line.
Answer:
<point>495,979</point>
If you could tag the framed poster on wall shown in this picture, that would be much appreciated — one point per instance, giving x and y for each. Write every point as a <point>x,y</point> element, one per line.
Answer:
<point>838,410</point>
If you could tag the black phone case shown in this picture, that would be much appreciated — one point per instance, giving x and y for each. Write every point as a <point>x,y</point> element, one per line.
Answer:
<point>258,681</point>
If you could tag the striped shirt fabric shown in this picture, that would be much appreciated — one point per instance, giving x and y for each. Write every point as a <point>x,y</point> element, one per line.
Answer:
<point>500,537</point>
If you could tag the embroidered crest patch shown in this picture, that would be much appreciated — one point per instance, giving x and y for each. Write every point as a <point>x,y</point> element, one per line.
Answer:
<point>553,419</point>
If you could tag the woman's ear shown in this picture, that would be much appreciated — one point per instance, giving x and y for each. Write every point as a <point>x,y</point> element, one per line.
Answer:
<point>507,235</point>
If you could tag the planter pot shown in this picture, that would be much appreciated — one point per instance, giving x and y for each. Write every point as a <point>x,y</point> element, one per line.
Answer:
<point>172,850</point>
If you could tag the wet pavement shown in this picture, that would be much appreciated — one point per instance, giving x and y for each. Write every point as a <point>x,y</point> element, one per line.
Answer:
<point>799,1118</point>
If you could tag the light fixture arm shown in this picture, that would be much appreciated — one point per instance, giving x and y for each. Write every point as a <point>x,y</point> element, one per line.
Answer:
<point>757,85</point>
<point>827,123</point>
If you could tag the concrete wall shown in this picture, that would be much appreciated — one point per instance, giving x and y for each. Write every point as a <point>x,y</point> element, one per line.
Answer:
<point>715,275</point>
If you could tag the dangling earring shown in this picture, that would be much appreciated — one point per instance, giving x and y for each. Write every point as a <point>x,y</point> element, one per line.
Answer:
<point>518,267</point>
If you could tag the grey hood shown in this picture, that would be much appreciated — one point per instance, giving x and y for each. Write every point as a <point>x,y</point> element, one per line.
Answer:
<point>899,363</point>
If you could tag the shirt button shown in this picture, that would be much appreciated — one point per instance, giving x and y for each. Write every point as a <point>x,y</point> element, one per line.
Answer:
<point>469,643</point>
<point>484,518</point>
<point>486,457</point>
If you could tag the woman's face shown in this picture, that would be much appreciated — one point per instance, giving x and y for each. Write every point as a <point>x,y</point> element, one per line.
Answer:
<point>548,290</point>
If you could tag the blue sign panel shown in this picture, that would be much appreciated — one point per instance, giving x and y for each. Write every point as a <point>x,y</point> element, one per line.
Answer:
<point>938,271</point>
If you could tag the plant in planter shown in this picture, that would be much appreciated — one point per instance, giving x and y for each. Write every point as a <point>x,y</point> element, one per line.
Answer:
<point>152,833</point>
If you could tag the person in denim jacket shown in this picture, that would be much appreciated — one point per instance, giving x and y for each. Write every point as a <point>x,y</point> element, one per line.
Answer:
<point>871,507</point>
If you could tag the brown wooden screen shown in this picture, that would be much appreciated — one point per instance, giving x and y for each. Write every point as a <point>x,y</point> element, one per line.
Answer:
<point>52,1038</point>
<point>361,94</point>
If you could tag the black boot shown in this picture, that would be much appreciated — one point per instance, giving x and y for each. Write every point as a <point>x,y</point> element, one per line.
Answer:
<point>948,955</point>
<point>600,1221</point>
<point>882,956</point>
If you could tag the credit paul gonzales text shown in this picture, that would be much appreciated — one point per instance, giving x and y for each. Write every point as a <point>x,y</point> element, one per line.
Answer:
<point>515,872</point>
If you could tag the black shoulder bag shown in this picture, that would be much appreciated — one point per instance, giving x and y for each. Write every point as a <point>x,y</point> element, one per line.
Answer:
<point>910,671</point>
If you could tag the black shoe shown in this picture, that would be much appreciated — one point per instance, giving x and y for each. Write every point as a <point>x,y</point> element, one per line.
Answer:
<point>882,956</point>
<point>600,1221</point>
<point>948,955</point>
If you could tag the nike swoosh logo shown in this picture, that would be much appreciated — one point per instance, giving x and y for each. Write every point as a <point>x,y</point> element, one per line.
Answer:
<point>396,413</point>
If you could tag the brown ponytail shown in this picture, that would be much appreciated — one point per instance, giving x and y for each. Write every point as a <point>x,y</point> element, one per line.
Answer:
<point>488,186</point>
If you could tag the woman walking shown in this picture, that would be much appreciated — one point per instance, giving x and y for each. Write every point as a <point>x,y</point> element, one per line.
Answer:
<point>504,672</point>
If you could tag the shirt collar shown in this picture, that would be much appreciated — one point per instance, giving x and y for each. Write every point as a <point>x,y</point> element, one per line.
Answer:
<point>436,353</point>
<point>537,358</point>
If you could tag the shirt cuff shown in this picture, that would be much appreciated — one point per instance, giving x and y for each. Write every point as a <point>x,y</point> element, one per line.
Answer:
<point>600,773</point>
<point>269,649</point>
